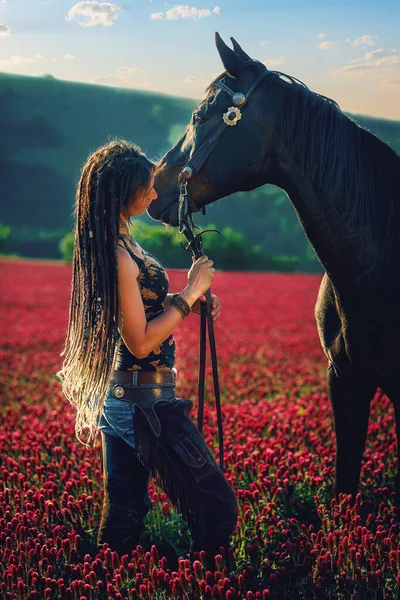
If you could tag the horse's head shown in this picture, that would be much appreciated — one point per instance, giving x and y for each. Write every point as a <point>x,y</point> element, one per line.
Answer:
<point>239,158</point>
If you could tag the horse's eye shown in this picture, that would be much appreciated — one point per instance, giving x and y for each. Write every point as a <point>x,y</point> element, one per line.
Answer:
<point>197,119</point>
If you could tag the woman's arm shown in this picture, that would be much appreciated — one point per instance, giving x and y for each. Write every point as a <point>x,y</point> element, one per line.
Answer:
<point>140,336</point>
<point>167,301</point>
<point>215,306</point>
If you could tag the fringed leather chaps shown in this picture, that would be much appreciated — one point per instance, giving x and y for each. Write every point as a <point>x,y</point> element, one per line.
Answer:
<point>169,445</point>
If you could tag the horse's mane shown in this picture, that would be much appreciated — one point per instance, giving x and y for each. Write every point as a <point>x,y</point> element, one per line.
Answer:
<point>338,154</point>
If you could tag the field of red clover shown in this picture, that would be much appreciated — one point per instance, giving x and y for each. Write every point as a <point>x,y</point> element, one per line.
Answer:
<point>294,538</point>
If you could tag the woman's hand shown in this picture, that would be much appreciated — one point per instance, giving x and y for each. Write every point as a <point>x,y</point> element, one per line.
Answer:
<point>215,306</point>
<point>200,276</point>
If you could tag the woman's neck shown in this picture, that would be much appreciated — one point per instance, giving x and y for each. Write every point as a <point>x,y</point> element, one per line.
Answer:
<point>128,236</point>
<point>123,230</point>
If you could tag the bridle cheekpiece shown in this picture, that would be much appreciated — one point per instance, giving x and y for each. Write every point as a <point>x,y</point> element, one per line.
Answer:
<point>230,118</point>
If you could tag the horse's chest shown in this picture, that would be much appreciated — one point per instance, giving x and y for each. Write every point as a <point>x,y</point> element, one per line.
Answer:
<point>346,334</point>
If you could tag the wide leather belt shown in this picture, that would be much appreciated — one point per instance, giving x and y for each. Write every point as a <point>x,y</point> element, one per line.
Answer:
<point>144,390</point>
<point>135,378</point>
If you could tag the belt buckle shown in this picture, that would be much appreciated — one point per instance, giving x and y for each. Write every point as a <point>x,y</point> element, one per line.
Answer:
<point>118,391</point>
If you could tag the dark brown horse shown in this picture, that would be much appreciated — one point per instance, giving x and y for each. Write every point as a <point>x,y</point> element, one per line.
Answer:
<point>344,184</point>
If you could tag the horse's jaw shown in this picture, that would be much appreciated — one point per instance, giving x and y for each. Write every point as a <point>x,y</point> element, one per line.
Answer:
<point>170,215</point>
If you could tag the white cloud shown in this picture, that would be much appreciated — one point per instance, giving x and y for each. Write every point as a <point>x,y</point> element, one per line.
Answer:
<point>124,72</point>
<point>378,61</point>
<point>263,43</point>
<point>365,40</point>
<point>180,11</point>
<point>17,60</point>
<point>184,12</point>
<point>388,61</point>
<point>4,30</point>
<point>320,36</point>
<point>370,55</point>
<point>193,79</point>
<point>271,62</point>
<point>95,13</point>
<point>327,45</point>
<point>69,56</point>
<point>123,78</point>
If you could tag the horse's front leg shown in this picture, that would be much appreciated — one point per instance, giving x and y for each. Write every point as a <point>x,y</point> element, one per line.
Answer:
<point>350,392</point>
<point>391,388</point>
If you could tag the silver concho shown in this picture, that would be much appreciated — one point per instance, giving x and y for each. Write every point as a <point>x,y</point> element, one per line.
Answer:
<point>238,99</point>
<point>188,171</point>
<point>232,116</point>
<point>118,391</point>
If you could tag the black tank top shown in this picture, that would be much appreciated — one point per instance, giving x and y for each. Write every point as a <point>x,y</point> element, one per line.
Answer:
<point>153,285</point>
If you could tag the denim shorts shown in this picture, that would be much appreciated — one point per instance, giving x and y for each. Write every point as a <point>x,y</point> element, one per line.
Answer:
<point>117,419</point>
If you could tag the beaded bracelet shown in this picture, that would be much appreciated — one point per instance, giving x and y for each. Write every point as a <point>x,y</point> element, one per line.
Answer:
<point>180,304</point>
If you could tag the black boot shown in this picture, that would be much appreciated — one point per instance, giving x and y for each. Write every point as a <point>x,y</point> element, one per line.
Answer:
<point>210,564</point>
<point>165,549</point>
<point>126,500</point>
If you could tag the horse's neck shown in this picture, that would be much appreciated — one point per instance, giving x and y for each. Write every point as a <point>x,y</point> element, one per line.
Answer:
<point>343,254</point>
<point>340,179</point>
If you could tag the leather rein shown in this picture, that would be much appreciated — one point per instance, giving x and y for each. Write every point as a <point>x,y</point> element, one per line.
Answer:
<point>195,244</point>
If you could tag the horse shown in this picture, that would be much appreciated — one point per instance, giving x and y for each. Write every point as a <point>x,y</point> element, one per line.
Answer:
<point>344,184</point>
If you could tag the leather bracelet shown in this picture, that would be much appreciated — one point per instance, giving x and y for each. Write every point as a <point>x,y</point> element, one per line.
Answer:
<point>181,305</point>
<point>174,296</point>
<point>178,295</point>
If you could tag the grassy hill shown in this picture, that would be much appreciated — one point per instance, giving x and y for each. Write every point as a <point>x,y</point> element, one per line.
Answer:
<point>50,126</point>
<point>48,129</point>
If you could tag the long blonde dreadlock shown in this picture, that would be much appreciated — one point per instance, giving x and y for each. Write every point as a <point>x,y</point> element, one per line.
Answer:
<point>110,180</point>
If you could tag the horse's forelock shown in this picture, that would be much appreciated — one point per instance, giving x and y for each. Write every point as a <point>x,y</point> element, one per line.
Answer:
<point>212,84</point>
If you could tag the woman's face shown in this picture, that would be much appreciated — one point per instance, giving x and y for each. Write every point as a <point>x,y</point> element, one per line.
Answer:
<point>142,201</point>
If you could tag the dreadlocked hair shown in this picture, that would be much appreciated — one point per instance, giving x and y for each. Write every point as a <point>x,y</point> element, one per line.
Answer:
<point>111,178</point>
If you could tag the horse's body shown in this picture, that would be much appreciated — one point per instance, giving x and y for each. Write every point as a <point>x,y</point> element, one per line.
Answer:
<point>344,184</point>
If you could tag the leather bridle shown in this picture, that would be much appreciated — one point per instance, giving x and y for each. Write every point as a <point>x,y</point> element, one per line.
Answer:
<point>195,243</point>
<point>229,119</point>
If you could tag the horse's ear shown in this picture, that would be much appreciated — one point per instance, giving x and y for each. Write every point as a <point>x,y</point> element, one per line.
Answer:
<point>231,61</point>
<point>239,50</point>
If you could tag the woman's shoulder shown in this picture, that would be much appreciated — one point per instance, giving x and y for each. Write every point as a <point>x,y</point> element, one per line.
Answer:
<point>126,266</point>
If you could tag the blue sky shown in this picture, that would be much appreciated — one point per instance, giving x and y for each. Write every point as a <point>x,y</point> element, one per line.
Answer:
<point>348,50</point>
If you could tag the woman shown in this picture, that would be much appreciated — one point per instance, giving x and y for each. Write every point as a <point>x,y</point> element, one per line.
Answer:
<point>119,361</point>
